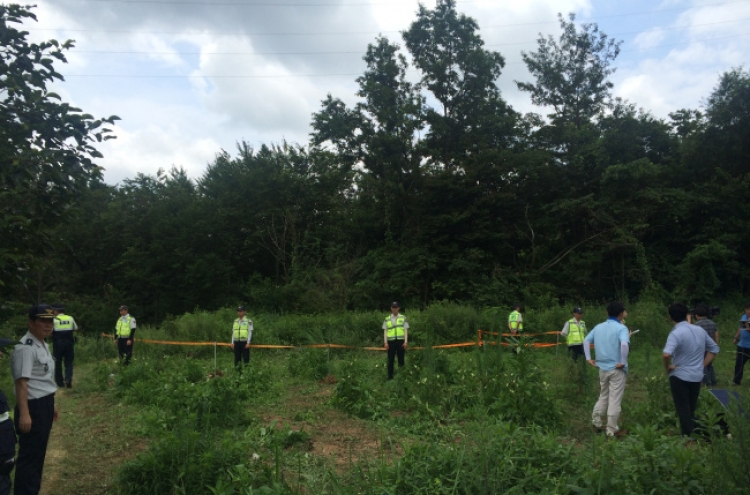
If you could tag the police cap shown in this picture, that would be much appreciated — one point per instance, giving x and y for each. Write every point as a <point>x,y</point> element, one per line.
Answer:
<point>41,311</point>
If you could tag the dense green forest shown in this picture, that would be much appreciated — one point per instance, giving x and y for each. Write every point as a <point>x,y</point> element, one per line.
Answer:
<point>425,190</point>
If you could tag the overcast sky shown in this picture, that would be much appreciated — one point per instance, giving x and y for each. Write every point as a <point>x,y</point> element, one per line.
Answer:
<point>192,77</point>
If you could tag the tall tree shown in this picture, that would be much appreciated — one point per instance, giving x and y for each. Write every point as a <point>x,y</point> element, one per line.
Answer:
<point>461,74</point>
<point>572,77</point>
<point>572,72</point>
<point>379,134</point>
<point>46,146</point>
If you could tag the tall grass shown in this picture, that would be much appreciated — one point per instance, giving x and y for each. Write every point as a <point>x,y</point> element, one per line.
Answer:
<point>465,421</point>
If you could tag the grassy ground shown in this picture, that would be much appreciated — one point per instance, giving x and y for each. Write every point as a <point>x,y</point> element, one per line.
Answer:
<point>99,431</point>
<point>454,421</point>
<point>94,436</point>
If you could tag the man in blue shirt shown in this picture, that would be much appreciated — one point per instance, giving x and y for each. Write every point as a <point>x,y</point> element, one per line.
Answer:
<point>742,340</point>
<point>684,361</point>
<point>612,342</point>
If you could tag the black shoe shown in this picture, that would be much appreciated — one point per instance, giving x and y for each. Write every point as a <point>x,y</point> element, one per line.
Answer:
<point>60,385</point>
<point>68,384</point>
<point>618,434</point>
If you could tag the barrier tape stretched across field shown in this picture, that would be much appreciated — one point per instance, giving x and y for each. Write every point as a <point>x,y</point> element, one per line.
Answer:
<point>480,342</point>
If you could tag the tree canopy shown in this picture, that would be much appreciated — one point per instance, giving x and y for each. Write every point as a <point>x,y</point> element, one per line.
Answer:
<point>426,189</point>
<point>46,145</point>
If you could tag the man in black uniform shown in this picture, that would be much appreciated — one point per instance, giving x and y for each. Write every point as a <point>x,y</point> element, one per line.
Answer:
<point>33,370</point>
<point>63,344</point>
<point>7,436</point>
<point>395,337</point>
<point>124,334</point>
<point>242,335</point>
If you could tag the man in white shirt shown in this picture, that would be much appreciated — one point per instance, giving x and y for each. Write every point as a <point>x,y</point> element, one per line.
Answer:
<point>33,370</point>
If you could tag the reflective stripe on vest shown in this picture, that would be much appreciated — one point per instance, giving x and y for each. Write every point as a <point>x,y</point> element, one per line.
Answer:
<point>513,320</point>
<point>576,331</point>
<point>63,323</point>
<point>123,327</point>
<point>395,332</point>
<point>240,329</point>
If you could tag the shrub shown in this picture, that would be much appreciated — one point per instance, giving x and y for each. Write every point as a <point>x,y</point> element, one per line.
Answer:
<point>308,363</point>
<point>353,394</point>
<point>523,395</point>
<point>183,462</point>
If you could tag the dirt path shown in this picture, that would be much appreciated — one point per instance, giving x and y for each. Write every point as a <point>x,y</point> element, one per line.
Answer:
<point>333,435</point>
<point>92,438</point>
<point>86,445</point>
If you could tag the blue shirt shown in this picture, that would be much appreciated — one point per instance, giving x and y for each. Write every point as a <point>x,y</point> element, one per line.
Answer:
<point>608,337</point>
<point>744,334</point>
<point>687,344</point>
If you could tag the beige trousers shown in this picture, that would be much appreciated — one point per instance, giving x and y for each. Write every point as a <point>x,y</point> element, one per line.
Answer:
<point>612,388</point>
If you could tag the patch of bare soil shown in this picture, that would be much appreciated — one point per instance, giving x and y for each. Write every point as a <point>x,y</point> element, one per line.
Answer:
<point>87,445</point>
<point>334,436</point>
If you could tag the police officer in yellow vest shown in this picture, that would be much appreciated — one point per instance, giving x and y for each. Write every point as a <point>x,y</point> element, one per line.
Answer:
<point>396,336</point>
<point>125,334</point>
<point>242,334</point>
<point>62,346</point>
<point>515,320</point>
<point>575,331</point>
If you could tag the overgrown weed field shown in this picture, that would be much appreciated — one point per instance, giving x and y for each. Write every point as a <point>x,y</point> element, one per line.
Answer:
<point>498,419</point>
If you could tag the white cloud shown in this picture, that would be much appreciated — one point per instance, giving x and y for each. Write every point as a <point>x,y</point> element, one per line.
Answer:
<point>158,49</point>
<point>649,39</point>
<point>150,148</point>
<point>173,119</point>
<point>261,92</point>
<point>683,76</point>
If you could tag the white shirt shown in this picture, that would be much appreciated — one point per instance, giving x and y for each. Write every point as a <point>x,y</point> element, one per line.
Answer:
<point>31,359</point>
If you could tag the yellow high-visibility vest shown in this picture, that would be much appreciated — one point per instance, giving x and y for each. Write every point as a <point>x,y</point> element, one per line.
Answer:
<point>63,323</point>
<point>395,332</point>
<point>123,327</point>
<point>240,329</point>
<point>513,320</point>
<point>576,331</point>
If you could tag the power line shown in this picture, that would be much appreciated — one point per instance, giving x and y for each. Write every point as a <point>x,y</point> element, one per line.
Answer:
<point>347,33</point>
<point>270,76</point>
<point>359,52</point>
<point>253,4</point>
<point>224,3</point>
<point>208,76</point>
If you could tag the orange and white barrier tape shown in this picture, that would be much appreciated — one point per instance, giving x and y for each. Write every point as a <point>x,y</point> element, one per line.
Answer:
<point>330,346</point>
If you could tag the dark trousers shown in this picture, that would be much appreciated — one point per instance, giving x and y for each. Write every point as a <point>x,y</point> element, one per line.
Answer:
<point>63,351</point>
<point>6,467</point>
<point>125,350</point>
<point>743,356</point>
<point>240,353</point>
<point>32,446</point>
<point>395,347</point>
<point>709,374</point>
<point>576,351</point>
<point>5,484</point>
<point>685,397</point>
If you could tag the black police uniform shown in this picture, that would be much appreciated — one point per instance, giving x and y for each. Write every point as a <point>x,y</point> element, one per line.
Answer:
<point>63,349</point>
<point>7,446</point>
